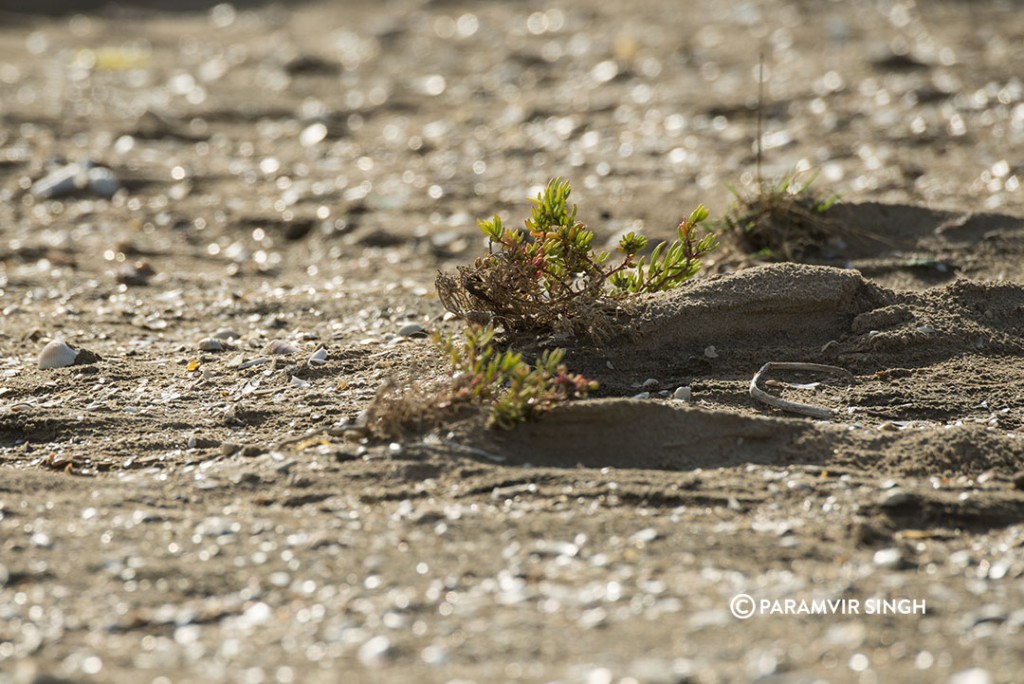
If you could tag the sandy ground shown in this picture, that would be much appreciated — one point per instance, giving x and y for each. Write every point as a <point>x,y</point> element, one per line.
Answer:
<point>172,513</point>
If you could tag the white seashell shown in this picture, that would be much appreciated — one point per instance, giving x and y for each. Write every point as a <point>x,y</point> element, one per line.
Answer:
<point>57,354</point>
<point>210,344</point>
<point>298,382</point>
<point>280,347</point>
<point>318,358</point>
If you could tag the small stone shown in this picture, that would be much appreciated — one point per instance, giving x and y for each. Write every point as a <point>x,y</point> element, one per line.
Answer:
<point>642,395</point>
<point>102,182</point>
<point>210,344</point>
<point>710,352</point>
<point>651,384</point>
<point>683,394</point>
<point>644,536</point>
<point>225,334</point>
<point>435,656</point>
<point>894,497</point>
<point>280,347</point>
<point>412,330</point>
<point>136,273</point>
<point>312,134</point>
<point>975,675</point>
<point>888,558</point>
<point>376,652</point>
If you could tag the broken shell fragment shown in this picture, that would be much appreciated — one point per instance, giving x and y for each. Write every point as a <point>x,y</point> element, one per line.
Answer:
<point>280,347</point>
<point>57,354</point>
<point>318,358</point>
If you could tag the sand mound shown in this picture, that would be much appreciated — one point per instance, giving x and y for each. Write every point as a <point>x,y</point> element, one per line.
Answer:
<point>897,344</point>
<point>793,312</point>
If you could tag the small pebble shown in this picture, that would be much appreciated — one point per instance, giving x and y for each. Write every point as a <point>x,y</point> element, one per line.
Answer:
<point>888,558</point>
<point>102,182</point>
<point>435,656</point>
<point>683,394</point>
<point>312,134</point>
<point>376,652</point>
<point>280,347</point>
<point>976,675</point>
<point>210,344</point>
<point>137,273</point>
<point>650,384</point>
<point>642,395</point>
<point>710,352</point>
<point>644,536</point>
<point>225,334</point>
<point>412,330</point>
<point>894,497</point>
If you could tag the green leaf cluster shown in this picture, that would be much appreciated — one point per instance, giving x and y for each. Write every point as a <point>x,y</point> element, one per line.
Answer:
<point>512,389</point>
<point>556,252</point>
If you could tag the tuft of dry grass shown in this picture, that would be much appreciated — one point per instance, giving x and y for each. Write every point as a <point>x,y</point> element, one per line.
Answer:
<point>783,222</point>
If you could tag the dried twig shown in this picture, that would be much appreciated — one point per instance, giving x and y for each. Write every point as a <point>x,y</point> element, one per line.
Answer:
<point>794,406</point>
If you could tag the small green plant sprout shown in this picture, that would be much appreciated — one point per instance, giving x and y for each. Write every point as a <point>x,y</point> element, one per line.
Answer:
<point>784,221</point>
<point>548,277</point>
<point>512,390</point>
<point>670,265</point>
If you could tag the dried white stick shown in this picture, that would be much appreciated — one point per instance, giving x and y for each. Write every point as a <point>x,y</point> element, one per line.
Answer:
<point>794,406</point>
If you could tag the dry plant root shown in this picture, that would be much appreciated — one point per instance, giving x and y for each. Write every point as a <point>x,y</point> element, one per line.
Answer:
<point>794,406</point>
